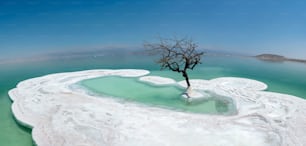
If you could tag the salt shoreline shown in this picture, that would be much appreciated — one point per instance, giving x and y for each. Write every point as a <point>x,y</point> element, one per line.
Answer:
<point>62,116</point>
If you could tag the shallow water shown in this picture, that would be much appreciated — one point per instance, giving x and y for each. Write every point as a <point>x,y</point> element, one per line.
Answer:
<point>281,77</point>
<point>169,97</point>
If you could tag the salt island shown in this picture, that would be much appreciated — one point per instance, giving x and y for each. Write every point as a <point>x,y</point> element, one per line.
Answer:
<point>62,114</point>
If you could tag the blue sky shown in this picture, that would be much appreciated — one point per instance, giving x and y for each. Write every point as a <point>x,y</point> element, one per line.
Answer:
<point>245,26</point>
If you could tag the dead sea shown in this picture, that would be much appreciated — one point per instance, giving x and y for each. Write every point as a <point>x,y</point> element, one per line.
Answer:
<point>284,77</point>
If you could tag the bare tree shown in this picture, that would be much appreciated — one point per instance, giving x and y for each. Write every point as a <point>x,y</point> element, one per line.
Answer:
<point>176,54</point>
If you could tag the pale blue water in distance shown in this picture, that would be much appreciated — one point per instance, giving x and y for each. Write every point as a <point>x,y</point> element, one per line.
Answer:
<point>283,77</point>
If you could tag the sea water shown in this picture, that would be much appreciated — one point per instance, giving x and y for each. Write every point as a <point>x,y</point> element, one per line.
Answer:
<point>283,77</point>
<point>165,96</point>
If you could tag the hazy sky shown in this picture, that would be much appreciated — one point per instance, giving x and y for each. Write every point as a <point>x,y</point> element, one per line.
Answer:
<point>247,26</point>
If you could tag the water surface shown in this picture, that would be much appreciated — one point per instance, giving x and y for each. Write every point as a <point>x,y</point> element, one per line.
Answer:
<point>169,97</point>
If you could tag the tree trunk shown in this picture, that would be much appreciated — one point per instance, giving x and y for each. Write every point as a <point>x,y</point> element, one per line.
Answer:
<point>185,75</point>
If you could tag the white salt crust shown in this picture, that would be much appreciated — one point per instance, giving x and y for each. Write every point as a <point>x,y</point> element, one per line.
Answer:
<point>64,116</point>
<point>156,80</point>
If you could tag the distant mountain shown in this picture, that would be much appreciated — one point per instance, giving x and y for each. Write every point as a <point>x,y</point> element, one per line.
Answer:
<point>74,55</point>
<point>271,57</point>
<point>277,58</point>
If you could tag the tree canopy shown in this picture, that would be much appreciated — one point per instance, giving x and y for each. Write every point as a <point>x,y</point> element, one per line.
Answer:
<point>178,55</point>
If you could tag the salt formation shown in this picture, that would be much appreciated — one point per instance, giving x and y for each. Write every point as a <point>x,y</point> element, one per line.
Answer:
<point>156,80</point>
<point>62,115</point>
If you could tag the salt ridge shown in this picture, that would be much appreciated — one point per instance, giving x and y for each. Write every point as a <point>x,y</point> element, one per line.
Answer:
<point>156,80</point>
<point>61,115</point>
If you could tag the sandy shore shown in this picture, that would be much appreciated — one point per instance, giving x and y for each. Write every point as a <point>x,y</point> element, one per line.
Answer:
<point>61,114</point>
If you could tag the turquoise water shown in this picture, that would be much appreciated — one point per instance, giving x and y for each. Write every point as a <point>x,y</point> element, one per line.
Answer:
<point>169,97</point>
<point>281,77</point>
